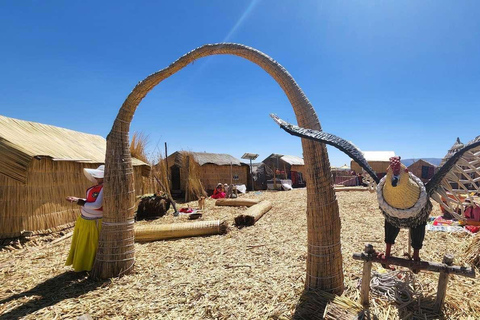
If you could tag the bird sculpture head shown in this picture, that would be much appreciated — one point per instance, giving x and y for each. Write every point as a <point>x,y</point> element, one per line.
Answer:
<point>395,167</point>
<point>400,189</point>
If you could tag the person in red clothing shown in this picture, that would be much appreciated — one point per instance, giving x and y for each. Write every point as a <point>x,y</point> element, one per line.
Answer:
<point>87,227</point>
<point>219,192</point>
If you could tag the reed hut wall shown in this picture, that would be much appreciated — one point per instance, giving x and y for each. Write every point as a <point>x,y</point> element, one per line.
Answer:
<point>212,174</point>
<point>380,167</point>
<point>209,173</point>
<point>42,164</point>
<point>423,170</point>
<point>39,205</point>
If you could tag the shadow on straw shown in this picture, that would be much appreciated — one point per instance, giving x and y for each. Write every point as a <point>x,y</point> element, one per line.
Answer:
<point>64,286</point>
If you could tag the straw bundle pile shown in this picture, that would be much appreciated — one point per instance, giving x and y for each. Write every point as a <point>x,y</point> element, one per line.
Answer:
<point>252,214</point>
<point>317,304</point>
<point>236,202</point>
<point>472,253</point>
<point>146,233</point>
<point>324,263</point>
<point>193,187</point>
<point>160,177</point>
<point>138,146</point>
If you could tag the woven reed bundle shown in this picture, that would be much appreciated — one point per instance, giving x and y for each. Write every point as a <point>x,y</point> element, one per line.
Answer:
<point>252,214</point>
<point>324,262</point>
<point>473,252</point>
<point>148,233</point>
<point>236,202</point>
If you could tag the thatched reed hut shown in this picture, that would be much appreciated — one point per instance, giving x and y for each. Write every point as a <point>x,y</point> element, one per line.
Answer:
<point>287,167</point>
<point>39,166</point>
<point>422,169</point>
<point>378,160</point>
<point>210,169</point>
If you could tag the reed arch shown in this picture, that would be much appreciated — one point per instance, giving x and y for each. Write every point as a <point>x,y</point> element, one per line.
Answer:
<point>115,254</point>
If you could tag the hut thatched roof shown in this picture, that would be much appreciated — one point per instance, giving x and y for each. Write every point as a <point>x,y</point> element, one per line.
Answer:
<point>220,159</point>
<point>383,156</point>
<point>21,141</point>
<point>293,160</point>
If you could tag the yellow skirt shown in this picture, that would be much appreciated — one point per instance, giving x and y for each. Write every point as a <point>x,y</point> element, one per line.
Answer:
<point>84,244</point>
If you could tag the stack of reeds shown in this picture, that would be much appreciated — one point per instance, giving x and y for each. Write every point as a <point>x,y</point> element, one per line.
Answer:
<point>473,251</point>
<point>193,185</point>
<point>252,214</point>
<point>236,202</point>
<point>318,304</point>
<point>146,233</point>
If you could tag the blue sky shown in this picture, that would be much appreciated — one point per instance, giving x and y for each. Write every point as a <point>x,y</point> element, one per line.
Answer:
<point>386,75</point>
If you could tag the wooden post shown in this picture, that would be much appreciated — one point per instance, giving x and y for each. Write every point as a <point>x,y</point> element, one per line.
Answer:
<point>188,178</point>
<point>442,284</point>
<point>409,242</point>
<point>367,276</point>
<point>166,165</point>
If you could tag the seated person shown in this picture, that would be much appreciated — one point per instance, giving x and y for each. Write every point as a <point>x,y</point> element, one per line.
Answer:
<point>218,193</point>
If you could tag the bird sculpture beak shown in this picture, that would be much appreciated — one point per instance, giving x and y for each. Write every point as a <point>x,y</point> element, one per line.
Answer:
<point>395,180</point>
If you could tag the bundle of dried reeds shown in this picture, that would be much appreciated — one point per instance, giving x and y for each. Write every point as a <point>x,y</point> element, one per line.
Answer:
<point>148,233</point>
<point>160,177</point>
<point>252,214</point>
<point>236,202</point>
<point>317,304</point>
<point>138,146</point>
<point>193,186</point>
<point>473,251</point>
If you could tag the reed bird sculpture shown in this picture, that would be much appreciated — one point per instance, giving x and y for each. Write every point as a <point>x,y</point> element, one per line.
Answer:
<point>402,197</point>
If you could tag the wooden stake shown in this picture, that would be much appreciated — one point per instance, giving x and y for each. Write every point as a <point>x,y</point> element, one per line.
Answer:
<point>366,277</point>
<point>442,284</point>
<point>418,265</point>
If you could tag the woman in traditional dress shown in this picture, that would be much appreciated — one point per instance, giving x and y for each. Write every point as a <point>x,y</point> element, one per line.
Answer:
<point>89,223</point>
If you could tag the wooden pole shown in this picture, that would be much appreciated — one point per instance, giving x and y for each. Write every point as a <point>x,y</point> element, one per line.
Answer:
<point>409,242</point>
<point>166,164</point>
<point>418,265</point>
<point>186,183</point>
<point>442,284</point>
<point>367,276</point>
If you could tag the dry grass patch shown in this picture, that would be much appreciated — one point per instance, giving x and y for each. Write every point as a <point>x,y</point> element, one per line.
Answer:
<point>256,272</point>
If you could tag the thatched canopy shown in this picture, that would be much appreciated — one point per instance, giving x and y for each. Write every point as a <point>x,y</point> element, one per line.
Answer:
<point>202,158</point>
<point>378,160</point>
<point>40,165</point>
<point>21,141</point>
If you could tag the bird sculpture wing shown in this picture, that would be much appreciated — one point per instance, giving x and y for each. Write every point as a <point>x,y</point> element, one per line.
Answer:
<point>330,139</point>
<point>461,169</point>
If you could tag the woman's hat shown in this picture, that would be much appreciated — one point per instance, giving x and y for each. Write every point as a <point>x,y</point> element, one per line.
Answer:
<point>219,184</point>
<point>91,174</point>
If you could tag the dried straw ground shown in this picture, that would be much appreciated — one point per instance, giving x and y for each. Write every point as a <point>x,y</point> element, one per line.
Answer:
<point>256,272</point>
